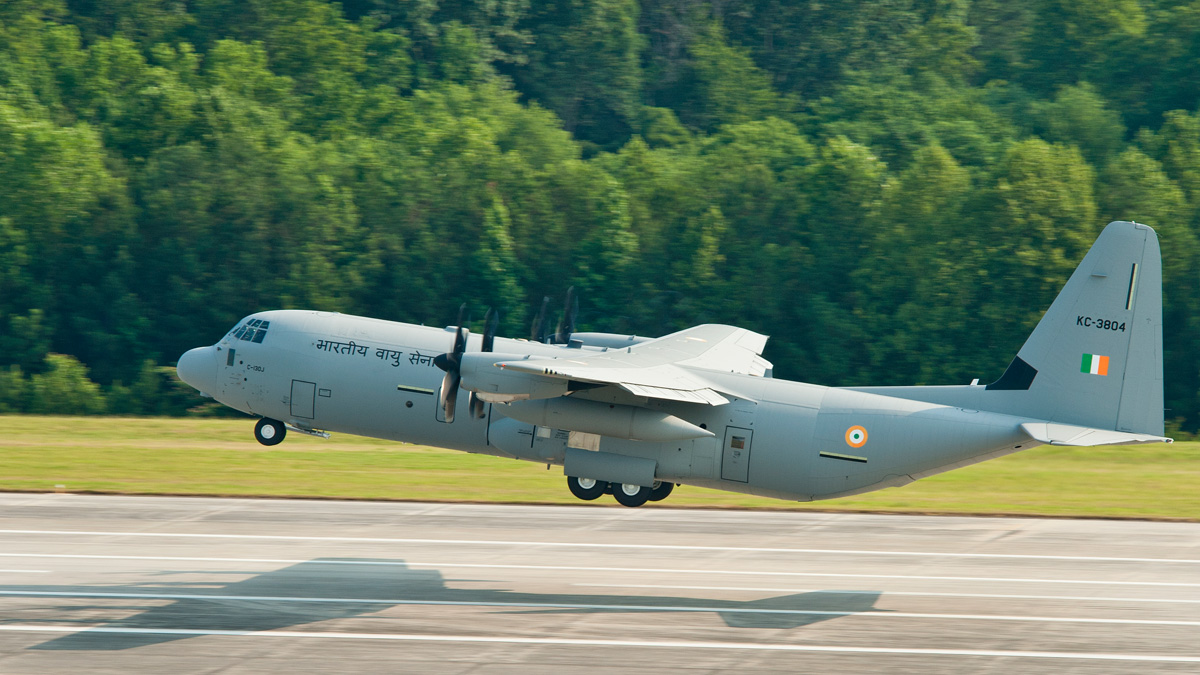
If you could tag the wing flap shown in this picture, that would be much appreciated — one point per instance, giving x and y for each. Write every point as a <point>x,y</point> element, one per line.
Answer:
<point>706,396</point>
<point>1066,434</point>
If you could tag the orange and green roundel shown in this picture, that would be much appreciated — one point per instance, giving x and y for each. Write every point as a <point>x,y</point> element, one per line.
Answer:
<point>1094,364</point>
<point>856,436</point>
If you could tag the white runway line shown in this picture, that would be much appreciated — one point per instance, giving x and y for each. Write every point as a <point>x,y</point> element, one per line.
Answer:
<point>580,642</point>
<point>558,544</point>
<point>638,570</point>
<point>999,596</point>
<point>870,613</point>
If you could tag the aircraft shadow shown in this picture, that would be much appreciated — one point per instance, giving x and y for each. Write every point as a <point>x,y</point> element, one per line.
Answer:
<point>390,582</point>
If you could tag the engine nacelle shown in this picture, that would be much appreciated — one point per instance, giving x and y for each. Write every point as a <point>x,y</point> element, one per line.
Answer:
<point>496,385</point>
<point>604,419</point>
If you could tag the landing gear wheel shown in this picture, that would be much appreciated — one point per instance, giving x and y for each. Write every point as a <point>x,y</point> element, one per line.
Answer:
<point>269,432</point>
<point>586,489</point>
<point>660,491</point>
<point>628,494</point>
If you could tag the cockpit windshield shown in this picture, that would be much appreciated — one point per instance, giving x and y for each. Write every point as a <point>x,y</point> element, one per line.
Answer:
<point>253,330</point>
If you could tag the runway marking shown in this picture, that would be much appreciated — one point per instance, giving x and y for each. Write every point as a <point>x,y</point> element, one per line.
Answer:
<point>582,568</point>
<point>997,596</point>
<point>875,613</point>
<point>584,642</point>
<point>559,544</point>
<point>24,571</point>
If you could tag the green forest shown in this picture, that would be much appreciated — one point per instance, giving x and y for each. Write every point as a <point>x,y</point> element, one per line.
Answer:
<point>893,190</point>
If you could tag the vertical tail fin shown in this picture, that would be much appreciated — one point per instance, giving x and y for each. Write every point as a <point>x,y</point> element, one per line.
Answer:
<point>1095,359</point>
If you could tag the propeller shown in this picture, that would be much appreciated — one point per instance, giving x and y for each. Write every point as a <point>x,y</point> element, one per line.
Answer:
<point>490,322</point>
<point>567,326</point>
<point>451,362</point>
<point>538,332</point>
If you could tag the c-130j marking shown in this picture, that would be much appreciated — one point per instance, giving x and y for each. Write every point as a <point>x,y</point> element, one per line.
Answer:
<point>636,416</point>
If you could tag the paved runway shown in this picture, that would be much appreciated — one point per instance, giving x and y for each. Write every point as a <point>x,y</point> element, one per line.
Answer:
<point>178,585</point>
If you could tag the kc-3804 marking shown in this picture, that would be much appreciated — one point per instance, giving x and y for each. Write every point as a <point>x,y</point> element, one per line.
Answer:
<point>635,416</point>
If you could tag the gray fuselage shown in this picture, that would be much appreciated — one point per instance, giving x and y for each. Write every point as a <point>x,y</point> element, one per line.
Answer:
<point>790,440</point>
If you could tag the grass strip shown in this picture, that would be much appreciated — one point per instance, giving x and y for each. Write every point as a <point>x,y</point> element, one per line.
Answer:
<point>220,457</point>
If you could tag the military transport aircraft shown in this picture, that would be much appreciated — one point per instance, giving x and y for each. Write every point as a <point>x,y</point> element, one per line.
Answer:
<point>635,416</point>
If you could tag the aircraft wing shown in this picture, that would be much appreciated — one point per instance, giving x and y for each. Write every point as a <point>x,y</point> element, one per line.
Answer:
<point>1066,434</point>
<point>670,367</point>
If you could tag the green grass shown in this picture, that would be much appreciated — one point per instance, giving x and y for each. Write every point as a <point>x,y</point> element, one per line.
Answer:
<point>220,457</point>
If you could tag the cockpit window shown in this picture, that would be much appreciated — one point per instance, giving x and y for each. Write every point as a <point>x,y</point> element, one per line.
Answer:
<point>253,330</point>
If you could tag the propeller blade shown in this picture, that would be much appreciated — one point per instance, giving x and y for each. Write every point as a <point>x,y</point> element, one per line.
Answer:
<point>460,343</point>
<point>476,406</point>
<point>491,321</point>
<point>449,394</point>
<point>567,325</point>
<point>462,315</point>
<point>538,332</point>
<point>574,311</point>
<point>451,362</point>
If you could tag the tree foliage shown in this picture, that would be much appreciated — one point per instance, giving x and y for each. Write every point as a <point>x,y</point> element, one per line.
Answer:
<point>893,190</point>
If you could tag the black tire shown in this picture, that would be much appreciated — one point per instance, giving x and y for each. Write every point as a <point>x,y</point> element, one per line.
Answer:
<point>661,491</point>
<point>269,432</point>
<point>625,498</point>
<point>586,489</point>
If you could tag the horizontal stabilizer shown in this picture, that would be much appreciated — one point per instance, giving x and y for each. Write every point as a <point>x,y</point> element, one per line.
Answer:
<point>1066,434</point>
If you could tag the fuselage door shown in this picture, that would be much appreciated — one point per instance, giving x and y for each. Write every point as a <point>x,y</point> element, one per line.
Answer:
<point>304,399</point>
<point>735,458</point>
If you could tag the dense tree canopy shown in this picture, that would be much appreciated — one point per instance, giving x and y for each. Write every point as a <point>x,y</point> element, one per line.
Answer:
<point>893,190</point>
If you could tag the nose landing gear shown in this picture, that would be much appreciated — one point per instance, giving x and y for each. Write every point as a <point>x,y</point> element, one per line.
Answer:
<point>269,432</point>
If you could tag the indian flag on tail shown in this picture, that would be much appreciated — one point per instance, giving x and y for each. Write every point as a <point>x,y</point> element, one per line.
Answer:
<point>1094,364</point>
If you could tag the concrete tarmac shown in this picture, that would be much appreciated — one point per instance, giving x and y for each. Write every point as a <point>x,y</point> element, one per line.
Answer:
<point>191,585</point>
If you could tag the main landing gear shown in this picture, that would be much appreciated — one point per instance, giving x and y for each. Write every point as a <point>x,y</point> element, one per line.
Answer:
<point>269,432</point>
<point>586,489</point>
<point>660,491</point>
<point>626,494</point>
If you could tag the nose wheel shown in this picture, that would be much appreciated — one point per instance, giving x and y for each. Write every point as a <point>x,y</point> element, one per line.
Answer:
<point>269,432</point>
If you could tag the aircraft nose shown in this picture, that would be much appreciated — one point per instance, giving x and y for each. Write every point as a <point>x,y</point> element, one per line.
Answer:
<point>198,367</point>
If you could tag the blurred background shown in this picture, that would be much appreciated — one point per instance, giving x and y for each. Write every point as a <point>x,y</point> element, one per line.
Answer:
<point>893,190</point>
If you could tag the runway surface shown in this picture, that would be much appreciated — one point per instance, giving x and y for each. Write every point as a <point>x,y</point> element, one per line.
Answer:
<point>182,585</point>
